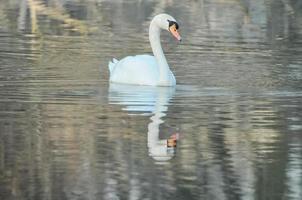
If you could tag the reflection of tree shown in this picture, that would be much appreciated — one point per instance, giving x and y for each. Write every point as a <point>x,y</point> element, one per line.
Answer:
<point>243,155</point>
<point>52,150</point>
<point>33,14</point>
<point>37,7</point>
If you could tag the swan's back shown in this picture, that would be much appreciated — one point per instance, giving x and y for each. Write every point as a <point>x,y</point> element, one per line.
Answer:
<point>140,69</point>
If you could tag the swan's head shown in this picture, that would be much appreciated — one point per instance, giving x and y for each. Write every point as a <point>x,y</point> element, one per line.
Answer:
<point>167,22</point>
<point>163,150</point>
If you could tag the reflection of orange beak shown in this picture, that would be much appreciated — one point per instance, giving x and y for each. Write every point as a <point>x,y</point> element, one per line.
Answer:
<point>172,141</point>
<point>175,33</point>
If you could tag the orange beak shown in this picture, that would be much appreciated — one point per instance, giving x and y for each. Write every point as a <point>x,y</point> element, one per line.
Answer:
<point>174,32</point>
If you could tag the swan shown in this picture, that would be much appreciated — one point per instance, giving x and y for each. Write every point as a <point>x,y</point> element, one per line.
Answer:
<point>146,69</point>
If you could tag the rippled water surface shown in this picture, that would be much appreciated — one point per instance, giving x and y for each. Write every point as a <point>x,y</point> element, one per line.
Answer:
<point>233,122</point>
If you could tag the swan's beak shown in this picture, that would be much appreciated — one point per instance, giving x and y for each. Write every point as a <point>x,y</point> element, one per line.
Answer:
<point>175,33</point>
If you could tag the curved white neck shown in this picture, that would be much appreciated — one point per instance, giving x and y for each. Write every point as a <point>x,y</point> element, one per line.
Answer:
<point>154,37</point>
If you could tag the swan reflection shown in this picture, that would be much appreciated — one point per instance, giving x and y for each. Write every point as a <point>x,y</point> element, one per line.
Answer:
<point>148,100</point>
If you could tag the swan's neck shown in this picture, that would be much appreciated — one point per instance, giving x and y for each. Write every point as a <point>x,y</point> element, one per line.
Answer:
<point>154,37</point>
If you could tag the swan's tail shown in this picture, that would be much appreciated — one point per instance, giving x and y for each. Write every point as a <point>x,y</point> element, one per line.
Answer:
<point>111,65</point>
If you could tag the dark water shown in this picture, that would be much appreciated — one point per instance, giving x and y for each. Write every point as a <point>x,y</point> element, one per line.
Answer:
<point>65,133</point>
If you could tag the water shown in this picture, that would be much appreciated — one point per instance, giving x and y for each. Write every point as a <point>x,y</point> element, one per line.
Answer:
<point>236,111</point>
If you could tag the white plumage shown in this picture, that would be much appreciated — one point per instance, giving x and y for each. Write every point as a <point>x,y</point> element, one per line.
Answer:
<point>146,69</point>
<point>140,69</point>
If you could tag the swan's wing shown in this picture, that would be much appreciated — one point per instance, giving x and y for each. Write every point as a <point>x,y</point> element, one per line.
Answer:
<point>112,64</point>
<point>140,69</point>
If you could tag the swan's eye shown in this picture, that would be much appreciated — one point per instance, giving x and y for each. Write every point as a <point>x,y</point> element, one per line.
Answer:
<point>173,24</point>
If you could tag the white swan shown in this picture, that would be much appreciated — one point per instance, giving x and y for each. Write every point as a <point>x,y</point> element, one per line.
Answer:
<point>146,69</point>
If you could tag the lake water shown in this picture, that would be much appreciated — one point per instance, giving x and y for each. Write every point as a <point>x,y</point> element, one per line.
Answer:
<point>236,112</point>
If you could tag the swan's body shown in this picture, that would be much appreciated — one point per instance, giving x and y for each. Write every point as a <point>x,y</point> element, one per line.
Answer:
<point>140,69</point>
<point>146,69</point>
